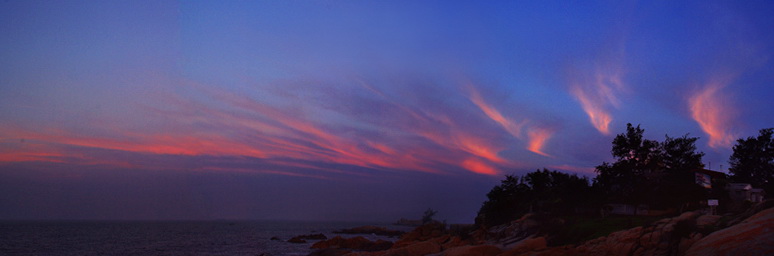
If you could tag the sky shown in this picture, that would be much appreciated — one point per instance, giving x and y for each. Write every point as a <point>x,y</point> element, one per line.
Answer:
<point>354,110</point>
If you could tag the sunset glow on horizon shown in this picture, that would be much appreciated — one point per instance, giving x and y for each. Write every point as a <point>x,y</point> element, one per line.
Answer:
<point>319,109</point>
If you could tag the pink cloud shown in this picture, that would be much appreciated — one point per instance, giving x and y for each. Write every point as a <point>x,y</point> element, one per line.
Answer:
<point>713,113</point>
<point>537,139</point>
<point>597,92</point>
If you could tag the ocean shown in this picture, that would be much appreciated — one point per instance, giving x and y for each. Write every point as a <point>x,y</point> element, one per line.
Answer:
<point>165,237</point>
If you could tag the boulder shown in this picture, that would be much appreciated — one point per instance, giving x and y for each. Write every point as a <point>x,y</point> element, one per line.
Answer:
<point>419,248</point>
<point>330,252</point>
<point>526,245</point>
<point>366,230</point>
<point>319,236</point>
<point>685,244</point>
<point>421,233</point>
<point>707,220</point>
<point>296,240</point>
<point>473,250</point>
<point>452,242</point>
<point>356,243</point>
<point>302,238</point>
<point>753,236</point>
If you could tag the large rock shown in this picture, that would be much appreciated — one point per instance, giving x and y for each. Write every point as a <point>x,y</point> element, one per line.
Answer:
<point>414,249</point>
<point>296,240</point>
<point>707,220</point>
<point>330,252</point>
<point>356,243</point>
<point>526,245</point>
<point>473,250</point>
<point>421,233</point>
<point>319,236</point>
<point>664,237</point>
<point>753,236</point>
<point>302,238</point>
<point>420,248</point>
<point>365,230</point>
<point>454,241</point>
<point>508,233</point>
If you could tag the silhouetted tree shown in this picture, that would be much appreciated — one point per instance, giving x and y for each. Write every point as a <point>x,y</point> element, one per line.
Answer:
<point>679,154</point>
<point>676,186</point>
<point>625,180</point>
<point>427,217</point>
<point>543,191</point>
<point>753,161</point>
<point>505,202</point>
<point>651,172</point>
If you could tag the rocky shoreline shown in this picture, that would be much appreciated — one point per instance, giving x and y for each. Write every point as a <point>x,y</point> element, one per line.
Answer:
<point>691,233</point>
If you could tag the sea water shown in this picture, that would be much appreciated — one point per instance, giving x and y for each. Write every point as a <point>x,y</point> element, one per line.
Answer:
<point>164,237</point>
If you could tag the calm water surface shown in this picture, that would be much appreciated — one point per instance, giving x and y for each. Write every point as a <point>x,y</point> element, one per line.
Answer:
<point>162,238</point>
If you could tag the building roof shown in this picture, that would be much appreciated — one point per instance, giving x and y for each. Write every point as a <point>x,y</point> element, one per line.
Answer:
<point>711,173</point>
<point>739,186</point>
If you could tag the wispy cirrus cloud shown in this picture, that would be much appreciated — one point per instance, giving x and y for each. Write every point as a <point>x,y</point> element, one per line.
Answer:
<point>480,167</point>
<point>512,127</point>
<point>713,112</point>
<point>597,93</point>
<point>537,139</point>
<point>536,136</point>
<point>408,136</point>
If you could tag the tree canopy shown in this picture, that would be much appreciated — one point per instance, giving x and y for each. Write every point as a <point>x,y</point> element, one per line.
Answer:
<point>753,160</point>
<point>649,171</point>
<point>539,191</point>
<point>427,217</point>
<point>657,173</point>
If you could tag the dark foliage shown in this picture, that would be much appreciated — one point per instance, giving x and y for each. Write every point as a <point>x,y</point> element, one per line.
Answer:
<point>427,217</point>
<point>543,191</point>
<point>651,172</point>
<point>659,174</point>
<point>753,161</point>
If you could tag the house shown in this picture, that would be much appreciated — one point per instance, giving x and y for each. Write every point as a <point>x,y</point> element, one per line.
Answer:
<point>745,192</point>
<point>706,178</point>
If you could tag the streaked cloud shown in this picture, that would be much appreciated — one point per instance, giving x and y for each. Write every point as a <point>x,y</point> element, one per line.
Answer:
<point>480,167</point>
<point>537,139</point>
<point>227,124</point>
<point>536,136</point>
<point>514,128</point>
<point>598,94</point>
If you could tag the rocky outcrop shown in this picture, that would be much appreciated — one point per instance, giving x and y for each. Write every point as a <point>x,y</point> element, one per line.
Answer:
<point>302,238</point>
<point>422,233</point>
<point>687,234</point>
<point>526,245</point>
<point>424,240</point>
<point>473,250</point>
<point>663,237</point>
<point>512,232</point>
<point>318,236</point>
<point>753,236</point>
<point>330,252</point>
<point>682,235</point>
<point>358,243</point>
<point>420,248</point>
<point>364,230</point>
<point>296,240</point>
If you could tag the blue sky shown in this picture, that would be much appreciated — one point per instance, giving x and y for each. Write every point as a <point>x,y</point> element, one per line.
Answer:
<point>360,110</point>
